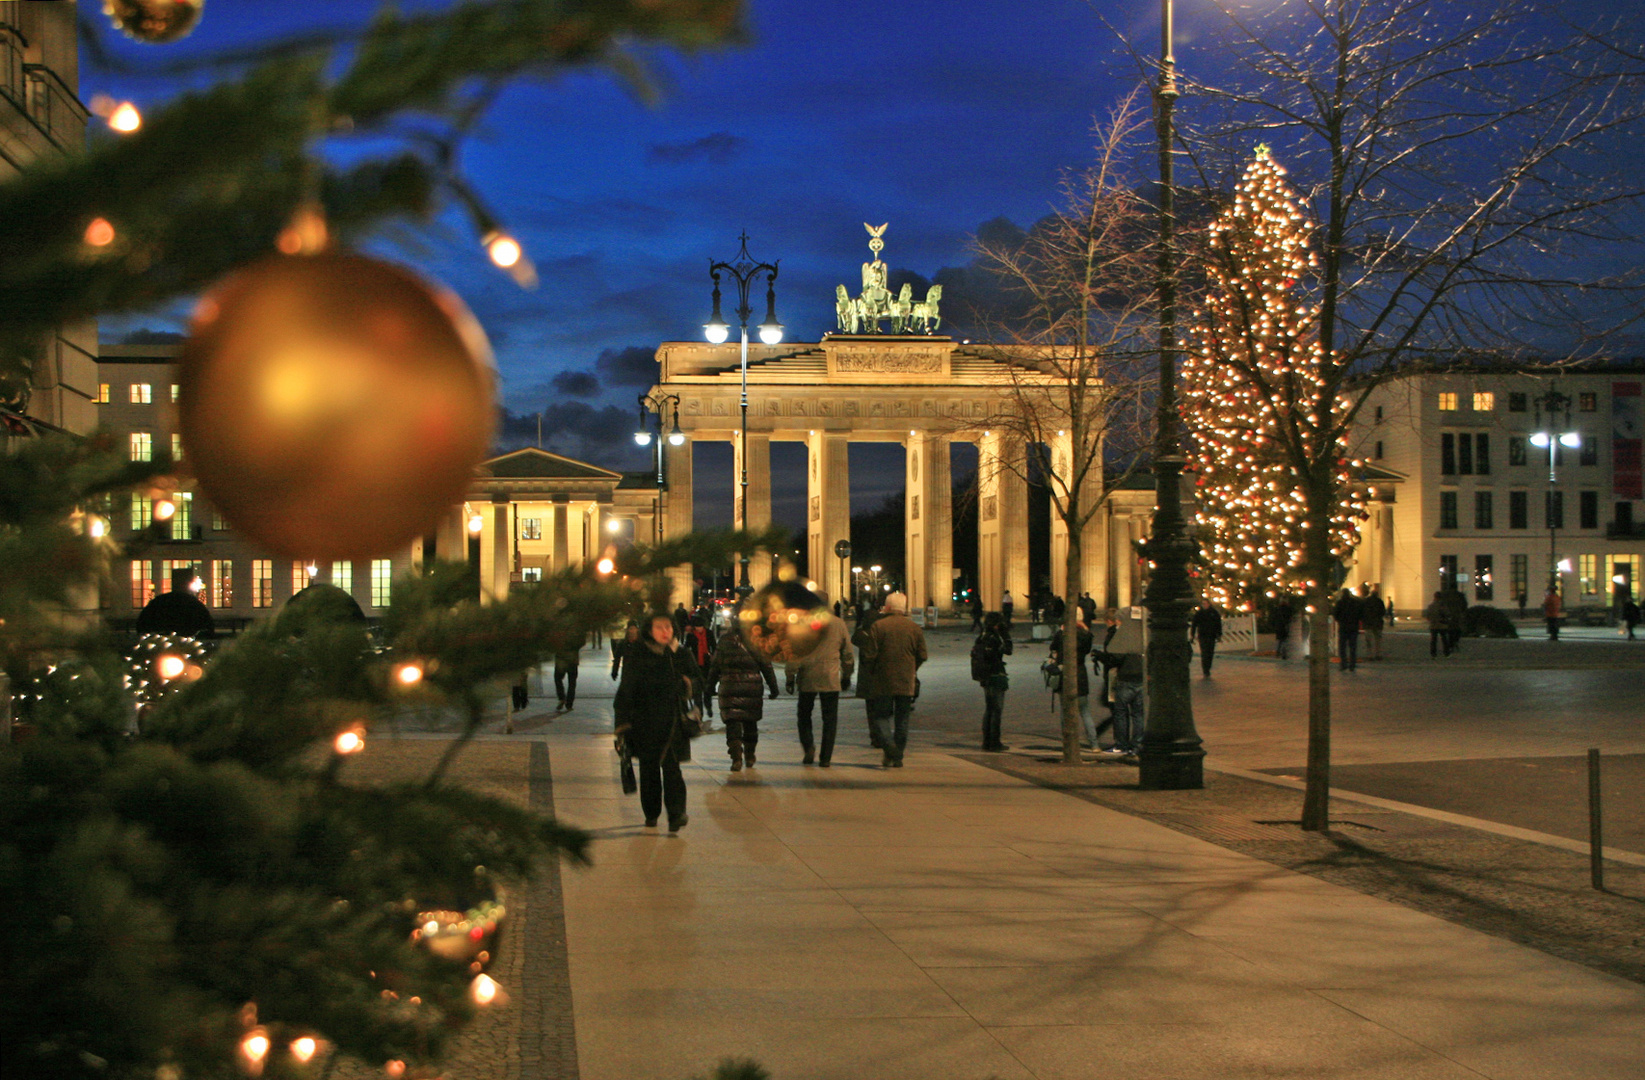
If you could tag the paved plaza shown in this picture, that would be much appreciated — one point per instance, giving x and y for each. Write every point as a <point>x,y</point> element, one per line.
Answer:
<point>951,921</point>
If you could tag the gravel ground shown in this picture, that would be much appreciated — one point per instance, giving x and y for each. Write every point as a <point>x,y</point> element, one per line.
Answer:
<point>1525,892</point>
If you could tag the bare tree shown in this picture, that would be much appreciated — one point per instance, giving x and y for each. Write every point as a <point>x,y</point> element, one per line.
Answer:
<point>1078,356</point>
<point>1463,162</point>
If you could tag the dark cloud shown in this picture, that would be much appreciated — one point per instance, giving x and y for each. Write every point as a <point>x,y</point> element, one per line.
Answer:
<point>600,435</point>
<point>635,365</point>
<point>576,384</point>
<point>719,148</point>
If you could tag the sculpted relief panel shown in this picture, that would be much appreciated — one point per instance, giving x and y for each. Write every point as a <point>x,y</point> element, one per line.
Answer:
<point>919,360</point>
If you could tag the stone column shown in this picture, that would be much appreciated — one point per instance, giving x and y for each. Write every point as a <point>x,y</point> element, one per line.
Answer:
<point>451,536</point>
<point>677,512</point>
<point>562,535</point>
<point>828,506</point>
<point>496,551</point>
<point>928,538</point>
<point>1124,560</point>
<point>759,497</point>
<point>1002,520</point>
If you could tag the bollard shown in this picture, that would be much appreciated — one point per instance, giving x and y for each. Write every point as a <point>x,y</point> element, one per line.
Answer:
<point>1596,846</point>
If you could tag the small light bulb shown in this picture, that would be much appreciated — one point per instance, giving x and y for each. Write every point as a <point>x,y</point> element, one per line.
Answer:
<point>395,1069</point>
<point>169,666</point>
<point>304,1048</point>
<point>613,526</point>
<point>605,566</point>
<point>476,523</point>
<point>125,118</point>
<point>505,251</point>
<point>99,233</point>
<point>483,990</point>
<point>97,528</point>
<point>255,1046</point>
<point>409,674</point>
<point>163,509</point>
<point>431,928</point>
<point>351,741</point>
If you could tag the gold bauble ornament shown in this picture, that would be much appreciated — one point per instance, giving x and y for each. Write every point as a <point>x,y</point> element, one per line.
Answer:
<point>154,21</point>
<point>333,406</point>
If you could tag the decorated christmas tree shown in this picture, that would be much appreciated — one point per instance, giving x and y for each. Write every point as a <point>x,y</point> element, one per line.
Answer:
<point>210,886</point>
<point>1254,400</point>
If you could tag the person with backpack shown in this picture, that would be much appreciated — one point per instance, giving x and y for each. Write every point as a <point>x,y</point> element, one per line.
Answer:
<point>988,655</point>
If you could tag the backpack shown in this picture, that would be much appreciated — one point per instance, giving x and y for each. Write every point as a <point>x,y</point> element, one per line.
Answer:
<point>985,655</point>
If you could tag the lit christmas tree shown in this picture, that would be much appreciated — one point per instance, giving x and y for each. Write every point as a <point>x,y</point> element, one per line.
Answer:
<point>1255,399</point>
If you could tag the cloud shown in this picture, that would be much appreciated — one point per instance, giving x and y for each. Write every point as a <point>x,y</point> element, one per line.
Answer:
<point>719,148</point>
<point>600,435</point>
<point>635,365</point>
<point>576,384</point>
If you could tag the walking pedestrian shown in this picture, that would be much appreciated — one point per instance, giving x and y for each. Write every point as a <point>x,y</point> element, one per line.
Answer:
<point>741,674</point>
<point>1006,607</point>
<point>566,660</point>
<point>1439,633</point>
<point>1630,616</point>
<point>621,646</point>
<point>1348,612</point>
<point>988,655</point>
<point>976,611</point>
<point>1088,609</point>
<point>1129,671</point>
<point>1551,612</point>
<point>658,678</point>
<point>1207,627</point>
<point>820,676</point>
<point>1282,613</point>
<point>896,648</point>
<point>696,639</point>
<point>1082,682</point>
<point>1373,613</point>
<point>1456,609</point>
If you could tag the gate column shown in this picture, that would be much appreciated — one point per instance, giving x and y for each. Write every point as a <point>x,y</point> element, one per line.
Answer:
<point>828,506</point>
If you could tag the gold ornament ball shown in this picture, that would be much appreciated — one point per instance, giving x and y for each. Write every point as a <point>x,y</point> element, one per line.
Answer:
<point>333,406</point>
<point>154,21</point>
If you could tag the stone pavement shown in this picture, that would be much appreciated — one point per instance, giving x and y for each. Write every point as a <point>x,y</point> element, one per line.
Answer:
<point>949,921</point>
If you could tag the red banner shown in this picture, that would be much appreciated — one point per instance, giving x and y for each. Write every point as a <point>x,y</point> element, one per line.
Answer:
<point>1627,475</point>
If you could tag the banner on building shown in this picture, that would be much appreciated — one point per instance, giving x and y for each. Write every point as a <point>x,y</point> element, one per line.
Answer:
<point>1628,477</point>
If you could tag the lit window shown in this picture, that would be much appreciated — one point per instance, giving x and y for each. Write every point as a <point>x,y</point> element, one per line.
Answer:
<point>142,446</point>
<point>1484,402</point>
<point>142,512</point>
<point>219,523</point>
<point>382,575</point>
<point>531,528</point>
<point>1447,401</point>
<point>182,522</point>
<point>142,582</point>
<point>141,393</point>
<point>171,565</point>
<point>1588,402</point>
<point>175,389</point>
<point>1587,573</point>
<point>342,576</point>
<point>531,573</point>
<point>1484,578</point>
<point>176,446</point>
<point>262,583</point>
<point>299,577</point>
<point>102,393</point>
<point>222,583</point>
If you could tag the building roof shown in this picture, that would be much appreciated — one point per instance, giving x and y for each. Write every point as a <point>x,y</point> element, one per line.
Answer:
<point>534,464</point>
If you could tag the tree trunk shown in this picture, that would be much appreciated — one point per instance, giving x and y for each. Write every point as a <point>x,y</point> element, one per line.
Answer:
<point>1071,662</point>
<point>1316,810</point>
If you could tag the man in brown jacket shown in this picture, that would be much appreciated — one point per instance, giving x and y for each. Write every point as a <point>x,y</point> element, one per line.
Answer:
<point>823,673</point>
<point>895,648</point>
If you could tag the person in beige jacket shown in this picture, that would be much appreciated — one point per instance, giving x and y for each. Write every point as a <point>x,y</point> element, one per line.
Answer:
<point>823,673</point>
<point>895,647</point>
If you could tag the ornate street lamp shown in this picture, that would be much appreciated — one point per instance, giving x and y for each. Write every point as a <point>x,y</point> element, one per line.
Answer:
<point>743,269</point>
<point>658,404</point>
<point>1172,754</point>
<point>1554,404</point>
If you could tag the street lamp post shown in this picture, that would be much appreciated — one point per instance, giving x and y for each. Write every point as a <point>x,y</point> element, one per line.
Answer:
<point>743,270</point>
<point>843,550</point>
<point>1554,403</point>
<point>658,403</point>
<point>1172,754</point>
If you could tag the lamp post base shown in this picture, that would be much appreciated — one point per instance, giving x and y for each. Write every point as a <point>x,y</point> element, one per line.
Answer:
<point>1177,767</point>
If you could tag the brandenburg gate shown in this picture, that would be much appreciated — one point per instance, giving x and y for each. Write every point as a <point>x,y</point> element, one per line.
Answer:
<point>925,392</point>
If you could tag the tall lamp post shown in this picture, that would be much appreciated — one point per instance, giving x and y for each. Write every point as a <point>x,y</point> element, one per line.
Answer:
<point>1172,754</point>
<point>743,270</point>
<point>657,403</point>
<point>1553,404</point>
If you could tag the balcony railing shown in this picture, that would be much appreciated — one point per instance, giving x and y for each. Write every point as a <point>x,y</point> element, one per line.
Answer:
<point>54,107</point>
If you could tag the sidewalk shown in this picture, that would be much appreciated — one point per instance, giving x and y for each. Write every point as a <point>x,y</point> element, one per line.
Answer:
<point>951,922</point>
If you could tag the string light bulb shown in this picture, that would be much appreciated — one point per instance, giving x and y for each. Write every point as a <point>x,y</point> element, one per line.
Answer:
<point>409,673</point>
<point>125,118</point>
<point>99,233</point>
<point>304,1047</point>
<point>505,251</point>
<point>351,741</point>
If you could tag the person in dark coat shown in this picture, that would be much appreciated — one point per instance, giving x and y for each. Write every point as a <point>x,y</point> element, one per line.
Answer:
<point>988,669</point>
<point>621,646</point>
<point>658,677</point>
<point>1207,627</point>
<point>1082,645</point>
<point>1630,616</point>
<point>893,648</point>
<point>741,674</point>
<point>567,658</point>
<point>1348,612</point>
<point>1282,613</point>
<point>976,611</point>
<point>1375,615</point>
<point>1455,606</point>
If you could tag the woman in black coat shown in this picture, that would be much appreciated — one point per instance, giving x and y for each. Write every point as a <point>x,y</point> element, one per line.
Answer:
<point>742,674</point>
<point>658,677</point>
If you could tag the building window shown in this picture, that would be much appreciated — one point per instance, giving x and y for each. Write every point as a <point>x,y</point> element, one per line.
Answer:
<point>300,577</point>
<point>1484,586</point>
<point>171,566</point>
<point>1516,451</point>
<point>182,521</point>
<point>1516,402</point>
<point>1484,401</point>
<point>142,582</point>
<point>531,528</point>
<point>1587,509</point>
<point>1588,453</point>
<point>1625,567</point>
<point>102,393</point>
<point>176,446</point>
<point>1447,509</point>
<point>382,576</point>
<point>1447,401</point>
<point>262,583</point>
<point>1482,510</point>
<point>1447,454</point>
<point>1378,455</point>
<point>342,576</point>
<point>1482,454</point>
<point>1519,572</point>
<point>142,446</point>
<point>1379,414</point>
<point>1587,402</point>
<point>531,573</point>
<point>1465,454</point>
<point>141,393</point>
<point>1553,510</point>
<point>1519,512</point>
<point>175,392</point>
<point>1447,572</point>
<point>1587,574</point>
<point>222,583</point>
<point>1624,518</point>
<point>142,512</point>
<point>219,523</point>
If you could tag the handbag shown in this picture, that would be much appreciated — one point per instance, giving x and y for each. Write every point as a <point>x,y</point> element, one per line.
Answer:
<point>691,718</point>
<point>999,681</point>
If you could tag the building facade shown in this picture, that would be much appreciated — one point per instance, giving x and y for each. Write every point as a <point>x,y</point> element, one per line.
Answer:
<point>1478,501</point>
